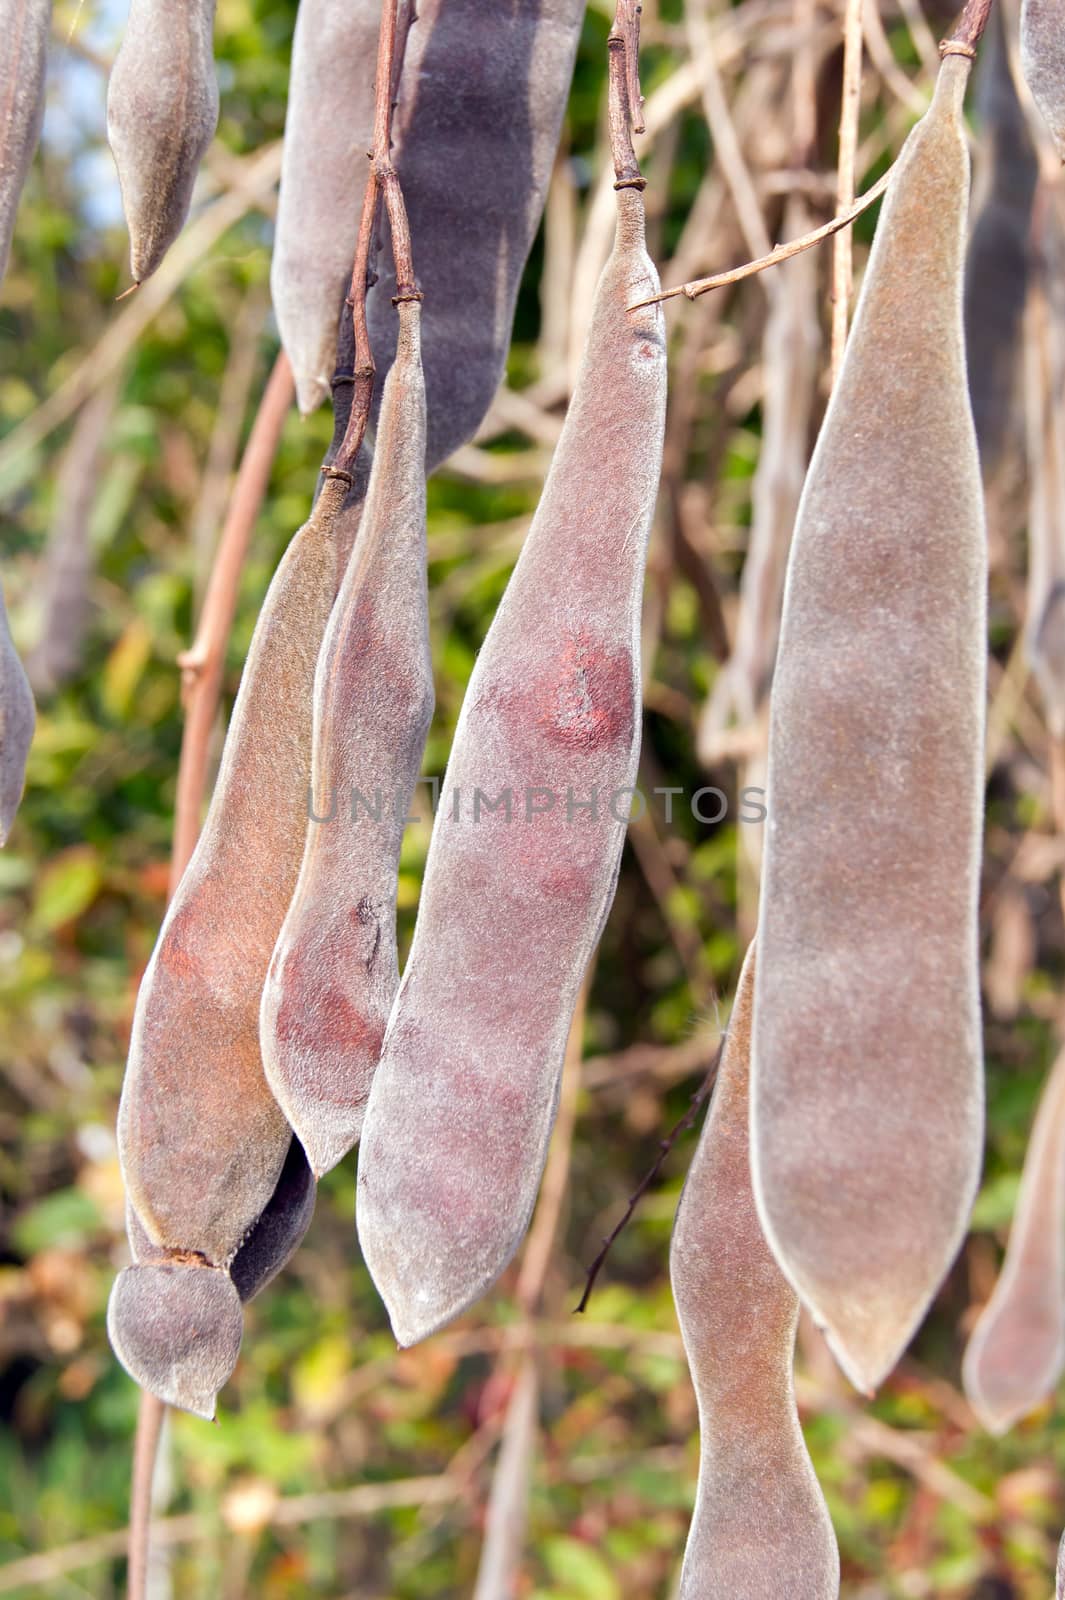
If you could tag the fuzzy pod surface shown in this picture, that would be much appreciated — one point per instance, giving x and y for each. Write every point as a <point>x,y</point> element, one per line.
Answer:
<point>334,971</point>
<point>867,1084</point>
<point>24,26</point>
<point>760,1525</point>
<point>481,100</point>
<point>1017,1350</point>
<point>463,1102</point>
<point>176,1328</point>
<point>1043,62</point>
<point>162,111</point>
<point>324,170</point>
<point>18,718</point>
<point>201,1138</point>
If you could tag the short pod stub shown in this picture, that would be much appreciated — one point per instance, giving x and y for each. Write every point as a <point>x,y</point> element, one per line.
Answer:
<point>176,1328</point>
<point>867,1071</point>
<point>760,1527</point>
<point>1017,1350</point>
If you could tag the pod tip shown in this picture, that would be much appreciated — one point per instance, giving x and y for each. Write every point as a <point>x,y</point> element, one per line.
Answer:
<point>311,390</point>
<point>176,1328</point>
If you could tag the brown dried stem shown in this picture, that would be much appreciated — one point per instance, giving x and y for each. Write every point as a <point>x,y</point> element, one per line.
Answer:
<point>842,253</point>
<point>624,101</point>
<point>967,31</point>
<point>383,181</point>
<point>781,252</point>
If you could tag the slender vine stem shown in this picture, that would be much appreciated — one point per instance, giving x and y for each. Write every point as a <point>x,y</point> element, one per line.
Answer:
<point>396,18</point>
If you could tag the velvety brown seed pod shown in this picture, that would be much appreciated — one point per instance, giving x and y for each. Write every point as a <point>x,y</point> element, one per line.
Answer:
<point>761,1526</point>
<point>202,1139</point>
<point>867,1087</point>
<point>996,265</point>
<point>274,1237</point>
<point>334,972</point>
<point>24,28</point>
<point>463,1101</point>
<point>1043,62</point>
<point>162,111</point>
<point>328,133</point>
<point>481,97</point>
<point>18,718</point>
<point>176,1328</point>
<point>1017,1350</point>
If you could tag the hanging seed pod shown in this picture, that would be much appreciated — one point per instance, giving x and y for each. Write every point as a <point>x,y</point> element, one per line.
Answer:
<point>1017,1350</point>
<point>195,1100</point>
<point>759,1512</point>
<point>526,845</point>
<point>482,94</point>
<point>324,168</point>
<point>1043,62</point>
<point>1044,347</point>
<point>334,972</point>
<point>18,718</point>
<point>867,1092</point>
<point>24,28</point>
<point>996,266</point>
<point>1059,1585</point>
<point>162,111</point>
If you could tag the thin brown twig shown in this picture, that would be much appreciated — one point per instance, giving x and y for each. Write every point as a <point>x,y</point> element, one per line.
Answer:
<point>624,101</point>
<point>842,249</point>
<point>699,1098</point>
<point>781,252</point>
<point>391,43</point>
<point>150,1415</point>
<point>967,31</point>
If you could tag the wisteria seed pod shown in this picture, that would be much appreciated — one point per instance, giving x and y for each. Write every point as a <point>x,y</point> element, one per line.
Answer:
<point>201,1138</point>
<point>176,1327</point>
<point>24,28</point>
<point>1017,1349</point>
<point>482,94</point>
<point>324,169</point>
<point>1059,1583</point>
<point>996,265</point>
<point>759,1511</point>
<point>514,898</point>
<point>18,718</point>
<point>162,111</point>
<point>867,1083</point>
<point>334,971</point>
<point>1043,62</point>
